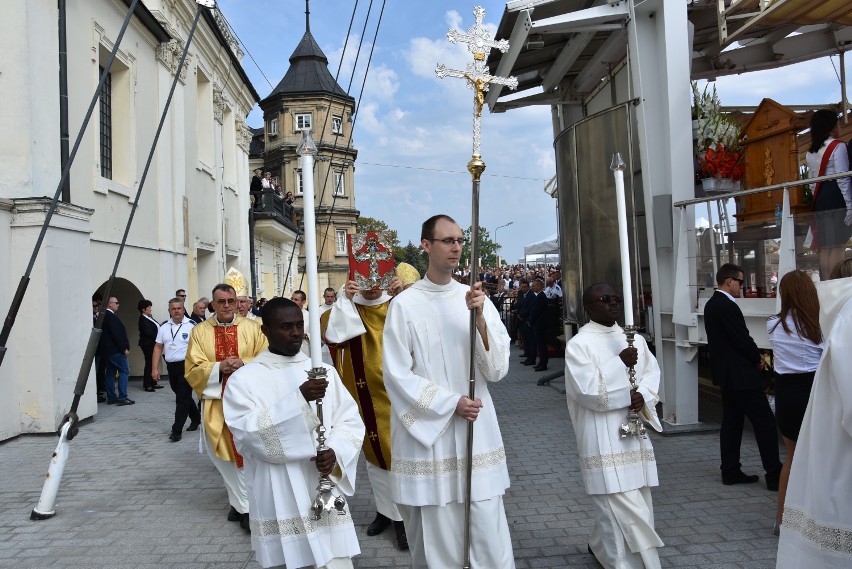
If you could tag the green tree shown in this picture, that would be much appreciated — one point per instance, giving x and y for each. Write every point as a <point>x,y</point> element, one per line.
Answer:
<point>365,224</point>
<point>414,256</point>
<point>487,248</point>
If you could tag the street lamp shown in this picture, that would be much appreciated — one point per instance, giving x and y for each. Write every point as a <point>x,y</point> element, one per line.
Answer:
<point>498,243</point>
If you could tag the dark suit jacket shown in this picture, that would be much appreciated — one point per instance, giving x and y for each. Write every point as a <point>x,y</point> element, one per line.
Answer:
<point>114,336</point>
<point>538,310</point>
<point>147,333</point>
<point>734,356</point>
<point>523,305</point>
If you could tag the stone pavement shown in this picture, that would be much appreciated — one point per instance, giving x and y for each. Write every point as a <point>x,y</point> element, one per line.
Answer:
<point>130,498</point>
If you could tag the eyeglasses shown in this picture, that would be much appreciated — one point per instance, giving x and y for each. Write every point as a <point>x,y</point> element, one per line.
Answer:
<point>450,241</point>
<point>741,281</point>
<point>224,301</point>
<point>182,295</point>
<point>609,299</point>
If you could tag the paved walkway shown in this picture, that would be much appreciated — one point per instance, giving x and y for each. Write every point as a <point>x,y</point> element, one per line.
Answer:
<point>132,499</point>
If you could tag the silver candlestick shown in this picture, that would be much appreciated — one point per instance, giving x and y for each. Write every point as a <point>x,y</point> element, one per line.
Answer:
<point>634,427</point>
<point>327,500</point>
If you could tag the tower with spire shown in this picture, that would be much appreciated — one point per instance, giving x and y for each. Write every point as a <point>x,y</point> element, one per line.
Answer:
<point>309,97</point>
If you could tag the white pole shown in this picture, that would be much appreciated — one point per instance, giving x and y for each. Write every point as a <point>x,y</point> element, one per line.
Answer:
<point>45,507</point>
<point>713,240</point>
<point>617,168</point>
<point>307,150</point>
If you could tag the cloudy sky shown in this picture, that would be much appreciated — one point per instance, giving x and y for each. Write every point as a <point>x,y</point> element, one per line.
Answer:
<point>413,130</point>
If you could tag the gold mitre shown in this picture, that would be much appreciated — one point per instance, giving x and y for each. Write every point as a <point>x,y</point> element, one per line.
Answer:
<point>407,274</point>
<point>236,280</point>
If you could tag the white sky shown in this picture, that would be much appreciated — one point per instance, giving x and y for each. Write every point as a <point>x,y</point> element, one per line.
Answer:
<point>413,130</point>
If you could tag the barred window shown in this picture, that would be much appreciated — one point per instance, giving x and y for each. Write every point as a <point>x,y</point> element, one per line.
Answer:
<point>106,126</point>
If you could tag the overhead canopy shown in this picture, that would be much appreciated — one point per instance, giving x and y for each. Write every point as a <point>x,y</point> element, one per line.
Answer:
<point>549,246</point>
<point>560,50</point>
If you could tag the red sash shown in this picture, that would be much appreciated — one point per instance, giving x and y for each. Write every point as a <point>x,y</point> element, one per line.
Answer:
<point>227,346</point>
<point>823,165</point>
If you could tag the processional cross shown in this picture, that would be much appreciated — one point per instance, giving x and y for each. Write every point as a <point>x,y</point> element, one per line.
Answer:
<point>479,43</point>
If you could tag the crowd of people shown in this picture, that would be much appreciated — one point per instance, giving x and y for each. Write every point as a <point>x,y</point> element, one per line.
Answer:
<point>394,387</point>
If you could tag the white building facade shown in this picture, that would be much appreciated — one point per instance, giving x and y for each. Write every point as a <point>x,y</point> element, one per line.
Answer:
<point>191,223</point>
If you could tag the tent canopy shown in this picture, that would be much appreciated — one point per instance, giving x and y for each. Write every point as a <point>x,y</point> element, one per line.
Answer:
<point>545,247</point>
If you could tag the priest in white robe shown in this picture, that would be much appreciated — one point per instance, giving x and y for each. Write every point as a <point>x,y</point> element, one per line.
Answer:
<point>817,528</point>
<point>269,407</point>
<point>426,354</point>
<point>618,472</point>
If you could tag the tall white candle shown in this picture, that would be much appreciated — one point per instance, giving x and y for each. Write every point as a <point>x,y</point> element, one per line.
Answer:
<point>617,168</point>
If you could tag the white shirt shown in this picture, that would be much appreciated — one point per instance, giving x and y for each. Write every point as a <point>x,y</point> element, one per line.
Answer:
<point>793,354</point>
<point>174,339</point>
<point>554,291</point>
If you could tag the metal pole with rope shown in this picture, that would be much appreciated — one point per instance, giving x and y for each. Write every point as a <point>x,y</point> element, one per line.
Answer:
<point>68,428</point>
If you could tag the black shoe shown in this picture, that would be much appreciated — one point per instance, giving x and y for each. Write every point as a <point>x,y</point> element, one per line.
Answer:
<point>149,389</point>
<point>401,538</point>
<point>122,402</point>
<point>739,477</point>
<point>194,427</point>
<point>379,525</point>
<point>528,363</point>
<point>245,523</point>
<point>112,401</point>
<point>772,481</point>
<point>174,437</point>
<point>101,398</point>
<point>540,368</point>
<point>158,386</point>
<point>233,515</point>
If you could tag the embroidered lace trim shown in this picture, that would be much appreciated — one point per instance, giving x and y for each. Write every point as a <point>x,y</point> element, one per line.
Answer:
<point>603,394</point>
<point>353,440</point>
<point>596,462</point>
<point>269,437</point>
<point>450,465</point>
<point>421,405</point>
<point>298,526</point>
<point>822,536</point>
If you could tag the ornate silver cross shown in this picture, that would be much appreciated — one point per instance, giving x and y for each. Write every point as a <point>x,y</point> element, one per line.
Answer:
<point>478,42</point>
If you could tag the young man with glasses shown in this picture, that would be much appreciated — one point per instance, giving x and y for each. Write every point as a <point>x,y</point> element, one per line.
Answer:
<point>426,356</point>
<point>735,363</point>
<point>217,348</point>
<point>618,472</point>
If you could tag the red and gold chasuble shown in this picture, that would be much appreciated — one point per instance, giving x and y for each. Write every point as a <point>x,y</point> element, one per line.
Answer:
<point>227,345</point>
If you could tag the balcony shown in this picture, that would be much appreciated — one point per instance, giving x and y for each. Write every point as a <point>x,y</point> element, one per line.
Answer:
<point>273,218</point>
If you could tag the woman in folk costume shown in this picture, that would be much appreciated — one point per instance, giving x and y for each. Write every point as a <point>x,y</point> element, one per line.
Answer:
<point>217,348</point>
<point>832,199</point>
<point>817,528</point>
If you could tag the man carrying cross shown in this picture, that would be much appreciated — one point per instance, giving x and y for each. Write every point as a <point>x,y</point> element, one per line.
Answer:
<point>426,351</point>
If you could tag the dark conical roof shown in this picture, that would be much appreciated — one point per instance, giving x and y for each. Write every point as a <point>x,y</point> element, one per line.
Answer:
<point>308,72</point>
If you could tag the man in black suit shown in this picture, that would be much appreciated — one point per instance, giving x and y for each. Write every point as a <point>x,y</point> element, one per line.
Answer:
<point>735,361</point>
<point>114,347</point>
<point>525,305</point>
<point>539,321</point>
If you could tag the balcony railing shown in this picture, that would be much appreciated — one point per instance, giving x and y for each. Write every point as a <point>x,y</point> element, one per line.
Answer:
<point>270,205</point>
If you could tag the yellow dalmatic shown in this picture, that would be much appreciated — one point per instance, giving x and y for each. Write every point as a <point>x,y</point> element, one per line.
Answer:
<point>353,332</point>
<point>210,343</point>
